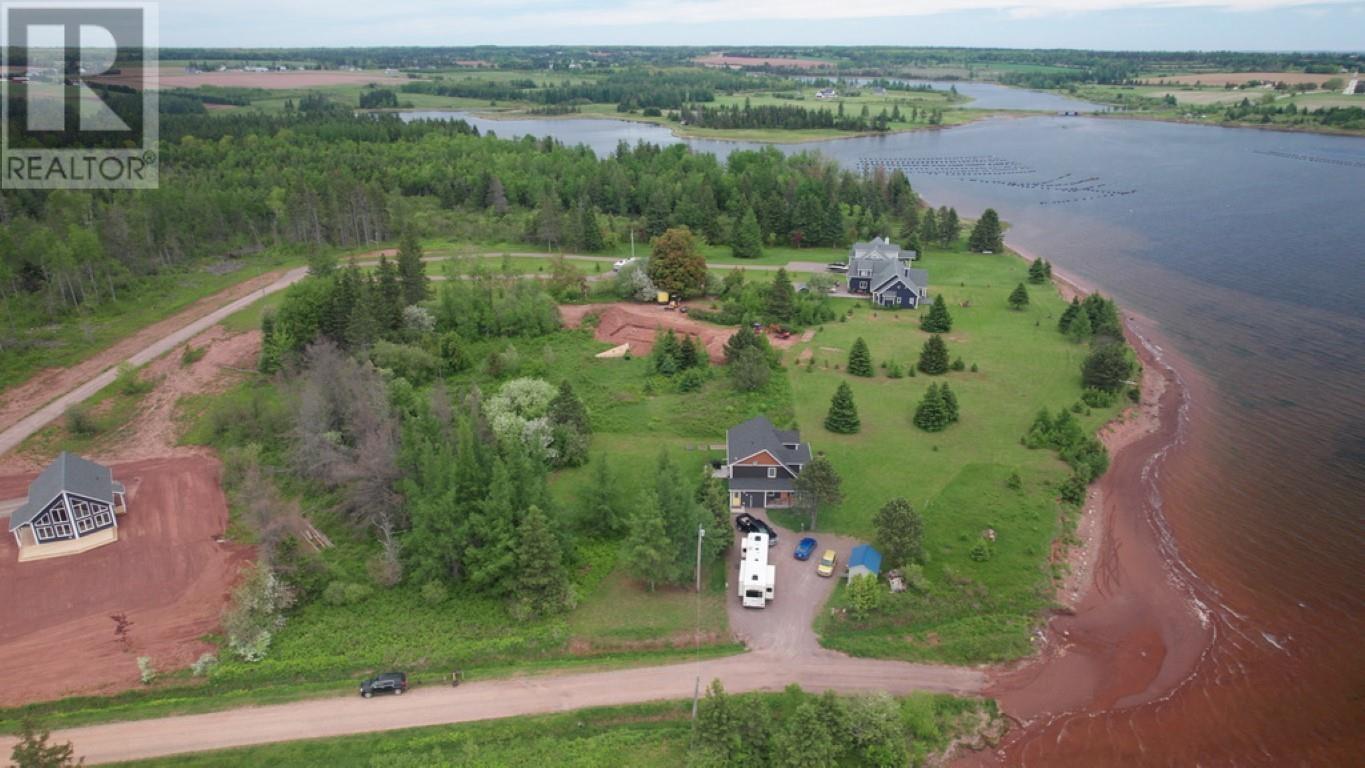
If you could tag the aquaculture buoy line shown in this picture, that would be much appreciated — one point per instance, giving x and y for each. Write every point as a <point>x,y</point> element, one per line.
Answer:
<point>1310,158</point>
<point>986,169</point>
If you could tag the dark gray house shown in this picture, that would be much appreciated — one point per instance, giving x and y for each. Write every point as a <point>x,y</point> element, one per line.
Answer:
<point>73,500</point>
<point>881,269</point>
<point>762,462</point>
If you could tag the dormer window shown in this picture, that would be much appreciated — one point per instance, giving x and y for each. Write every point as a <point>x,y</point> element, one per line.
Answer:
<point>772,473</point>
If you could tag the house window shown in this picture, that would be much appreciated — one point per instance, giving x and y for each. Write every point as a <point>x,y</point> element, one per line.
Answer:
<point>772,473</point>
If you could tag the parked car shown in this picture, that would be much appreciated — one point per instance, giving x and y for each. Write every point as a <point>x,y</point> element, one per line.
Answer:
<point>620,264</point>
<point>826,566</point>
<point>838,266</point>
<point>388,682</point>
<point>747,523</point>
<point>803,548</point>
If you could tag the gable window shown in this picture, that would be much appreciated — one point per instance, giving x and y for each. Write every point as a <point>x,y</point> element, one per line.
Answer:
<point>772,473</point>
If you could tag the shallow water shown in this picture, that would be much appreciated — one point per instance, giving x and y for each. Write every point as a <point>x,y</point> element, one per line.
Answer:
<point>1247,248</point>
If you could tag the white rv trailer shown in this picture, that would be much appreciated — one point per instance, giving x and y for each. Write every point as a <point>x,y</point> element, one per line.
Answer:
<point>757,578</point>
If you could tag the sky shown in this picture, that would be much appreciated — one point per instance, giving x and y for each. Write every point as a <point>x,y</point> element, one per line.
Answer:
<point>1097,24</point>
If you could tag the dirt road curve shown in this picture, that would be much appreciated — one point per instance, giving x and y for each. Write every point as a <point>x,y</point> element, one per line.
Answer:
<point>141,348</point>
<point>494,699</point>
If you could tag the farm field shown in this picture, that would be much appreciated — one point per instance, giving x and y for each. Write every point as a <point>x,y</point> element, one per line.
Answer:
<point>1239,78</point>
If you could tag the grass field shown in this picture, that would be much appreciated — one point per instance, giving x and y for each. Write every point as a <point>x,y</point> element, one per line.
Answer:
<point>642,735</point>
<point>978,611</point>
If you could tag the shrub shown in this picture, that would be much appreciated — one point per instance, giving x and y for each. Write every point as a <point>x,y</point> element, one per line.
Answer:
<point>145,671</point>
<point>80,422</point>
<point>1015,482</point>
<point>204,665</point>
<point>434,592</point>
<point>129,383</point>
<point>191,355</point>
<point>412,363</point>
<point>346,593</point>
<point>865,597</point>
<point>1073,490</point>
<point>982,551</point>
<point>958,365</point>
<point>256,612</point>
<point>692,379</point>
<point>895,371</point>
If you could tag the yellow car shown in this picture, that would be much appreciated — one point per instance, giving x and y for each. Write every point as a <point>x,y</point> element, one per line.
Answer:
<point>826,566</point>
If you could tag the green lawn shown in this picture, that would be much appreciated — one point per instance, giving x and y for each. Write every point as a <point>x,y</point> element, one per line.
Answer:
<point>955,478</point>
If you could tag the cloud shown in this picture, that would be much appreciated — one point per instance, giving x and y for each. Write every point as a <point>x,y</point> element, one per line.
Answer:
<point>645,12</point>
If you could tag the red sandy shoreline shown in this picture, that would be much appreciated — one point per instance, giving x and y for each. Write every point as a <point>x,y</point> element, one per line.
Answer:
<point>1129,629</point>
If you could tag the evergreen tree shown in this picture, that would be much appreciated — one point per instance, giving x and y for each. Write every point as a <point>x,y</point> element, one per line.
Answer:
<point>950,227</point>
<point>987,235</point>
<point>646,552</point>
<point>664,356</point>
<point>1108,367</point>
<point>937,319</point>
<point>750,370</point>
<point>687,354</point>
<point>571,428</point>
<point>270,353</point>
<point>843,414</point>
<point>900,534</point>
<point>589,233</point>
<point>490,556</point>
<point>542,583</point>
<point>781,304</point>
<point>928,227</point>
<point>600,510</point>
<point>1104,317</point>
<point>746,242</point>
<point>910,223</point>
<point>1037,272</point>
<point>949,402</point>
<point>1079,330</point>
<point>387,299</point>
<point>933,357</point>
<point>411,271</point>
<point>1019,297</point>
<point>931,415</point>
<point>1069,315</point>
<point>860,359</point>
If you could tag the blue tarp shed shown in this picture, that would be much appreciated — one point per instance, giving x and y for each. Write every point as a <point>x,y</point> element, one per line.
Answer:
<point>864,561</point>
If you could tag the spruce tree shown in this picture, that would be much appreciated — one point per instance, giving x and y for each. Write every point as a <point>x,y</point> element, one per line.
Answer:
<point>646,548</point>
<point>600,508</point>
<point>1107,368</point>
<point>747,240</point>
<point>1019,297</point>
<point>542,583</point>
<point>931,415</point>
<point>665,353</point>
<point>986,235</point>
<point>490,558</point>
<point>860,359</point>
<point>1069,315</point>
<point>411,271</point>
<point>949,402</point>
<point>843,414</point>
<point>951,227</point>
<point>589,233</point>
<point>910,223</point>
<point>781,304</point>
<point>567,410</point>
<point>933,358</point>
<point>1080,329</point>
<point>1037,272</point>
<point>388,297</point>
<point>928,227</point>
<point>687,354</point>
<point>937,319</point>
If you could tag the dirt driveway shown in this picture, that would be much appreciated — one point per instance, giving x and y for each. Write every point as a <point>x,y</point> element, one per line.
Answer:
<point>785,628</point>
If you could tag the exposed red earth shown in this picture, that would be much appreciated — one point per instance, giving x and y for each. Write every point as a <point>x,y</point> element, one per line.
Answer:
<point>167,572</point>
<point>637,324</point>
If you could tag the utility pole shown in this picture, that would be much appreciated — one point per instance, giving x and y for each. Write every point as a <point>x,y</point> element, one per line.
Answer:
<point>632,242</point>
<point>696,632</point>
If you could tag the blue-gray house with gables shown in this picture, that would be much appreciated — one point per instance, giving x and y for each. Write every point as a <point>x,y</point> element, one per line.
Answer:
<point>881,270</point>
<point>762,462</point>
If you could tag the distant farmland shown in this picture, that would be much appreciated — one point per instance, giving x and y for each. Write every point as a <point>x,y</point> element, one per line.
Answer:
<point>1238,78</point>
<point>722,60</point>
<point>178,78</point>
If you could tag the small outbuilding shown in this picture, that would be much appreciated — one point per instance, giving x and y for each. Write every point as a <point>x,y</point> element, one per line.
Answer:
<point>864,561</point>
<point>72,507</point>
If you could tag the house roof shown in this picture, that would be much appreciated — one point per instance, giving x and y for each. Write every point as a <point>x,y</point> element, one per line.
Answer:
<point>866,556</point>
<point>69,473</point>
<point>759,434</point>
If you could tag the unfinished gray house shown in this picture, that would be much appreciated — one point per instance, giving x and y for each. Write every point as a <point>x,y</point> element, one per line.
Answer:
<point>72,507</point>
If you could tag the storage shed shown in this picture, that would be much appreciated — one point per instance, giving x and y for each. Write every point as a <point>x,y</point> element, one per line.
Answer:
<point>864,561</point>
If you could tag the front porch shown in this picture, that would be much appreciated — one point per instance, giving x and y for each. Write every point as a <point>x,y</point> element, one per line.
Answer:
<point>30,549</point>
<point>742,500</point>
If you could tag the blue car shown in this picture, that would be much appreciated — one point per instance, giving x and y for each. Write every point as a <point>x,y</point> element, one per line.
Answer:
<point>803,548</point>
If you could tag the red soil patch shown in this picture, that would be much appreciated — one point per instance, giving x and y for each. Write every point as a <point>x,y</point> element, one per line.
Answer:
<point>166,572</point>
<point>18,402</point>
<point>636,324</point>
<point>721,60</point>
<point>154,432</point>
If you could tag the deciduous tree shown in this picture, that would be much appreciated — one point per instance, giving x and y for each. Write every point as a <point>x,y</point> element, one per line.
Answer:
<point>818,485</point>
<point>900,534</point>
<point>675,265</point>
